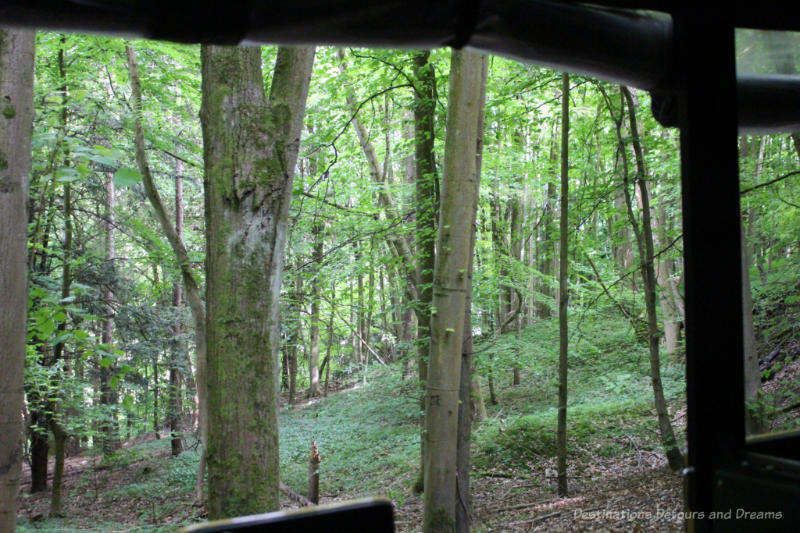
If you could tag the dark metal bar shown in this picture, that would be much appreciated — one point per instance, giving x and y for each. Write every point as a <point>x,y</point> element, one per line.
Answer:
<point>764,14</point>
<point>712,260</point>
<point>627,47</point>
<point>374,515</point>
<point>783,444</point>
<point>769,104</point>
<point>624,47</point>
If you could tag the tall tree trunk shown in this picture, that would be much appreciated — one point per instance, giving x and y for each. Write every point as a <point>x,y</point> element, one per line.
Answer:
<point>330,336</point>
<point>174,408</point>
<point>109,437</point>
<point>563,295</point>
<point>363,355</point>
<point>670,317</point>
<point>547,247</point>
<point>426,200</point>
<point>251,145</point>
<point>156,391</point>
<point>457,221</point>
<point>754,416</point>
<point>39,443</point>
<point>754,422</point>
<point>16,90</point>
<point>644,240</point>
<point>467,408</point>
<point>190,284</point>
<point>56,426</point>
<point>515,248</point>
<point>316,287</point>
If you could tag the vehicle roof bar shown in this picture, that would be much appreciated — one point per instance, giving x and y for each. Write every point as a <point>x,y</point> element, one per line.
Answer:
<point>623,46</point>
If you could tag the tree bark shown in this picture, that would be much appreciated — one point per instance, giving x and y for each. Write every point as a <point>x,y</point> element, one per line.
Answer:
<point>174,407</point>
<point>670,317</point>
<point>16,90</point>
<point>547,247</point>
<point>156,391</point>
<point>313,475</point>
<point>468,389</point>
<point>56,426</point>
<point>109,438</point>
<point>316,287</point>
<point>330,335</point>
<point>457,220</point>
<point>251,144</point>
<point>515,247</point>
<point>563,295</point>
<point>426,201</point>
<point>644,240</point>
<point>752,383</point>
<point>190,284</point>
<point>295,338</point>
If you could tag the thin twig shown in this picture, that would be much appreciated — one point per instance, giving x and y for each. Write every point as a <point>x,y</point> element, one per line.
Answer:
<point>770,182</point>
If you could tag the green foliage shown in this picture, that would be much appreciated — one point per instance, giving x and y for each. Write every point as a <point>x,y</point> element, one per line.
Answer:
<point>366,437</point>
<point>598,427</point>
<point>127,177</point>
<point>369,435</point>
<point>610,394</point>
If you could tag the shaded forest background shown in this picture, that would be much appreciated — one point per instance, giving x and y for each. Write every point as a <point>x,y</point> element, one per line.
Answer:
<point>111,342</point>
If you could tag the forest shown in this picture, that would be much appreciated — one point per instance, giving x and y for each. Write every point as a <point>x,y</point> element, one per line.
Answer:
<point>268,278</point>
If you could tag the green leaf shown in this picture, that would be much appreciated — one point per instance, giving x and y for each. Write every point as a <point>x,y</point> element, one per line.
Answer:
<point>103,160</point>
<point>83,170</point>
<point>46,327</point>
<point>105,362</point>
<point>127,402</point>
<point>62,338</point>
<point>66,175</point>
<point>126,177</point>
<point>102,150</point>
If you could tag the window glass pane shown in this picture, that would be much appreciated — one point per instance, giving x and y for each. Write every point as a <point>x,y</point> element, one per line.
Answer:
<point>770,201</point>
<point>767,52</point>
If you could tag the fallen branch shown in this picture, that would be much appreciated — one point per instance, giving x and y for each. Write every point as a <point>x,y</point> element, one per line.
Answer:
<point>790,408</point>
<point>296,496</point>
<point>536,519</point>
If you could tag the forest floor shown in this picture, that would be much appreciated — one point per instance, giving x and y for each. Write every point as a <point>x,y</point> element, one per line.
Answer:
<point>630,492</point>
<point>368,437</point>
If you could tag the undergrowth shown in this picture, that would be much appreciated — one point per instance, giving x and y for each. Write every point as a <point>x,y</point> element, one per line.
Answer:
<point>369,438</point>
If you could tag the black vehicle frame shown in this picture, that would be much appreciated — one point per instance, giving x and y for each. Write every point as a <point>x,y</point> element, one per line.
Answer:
<point>685,57</point>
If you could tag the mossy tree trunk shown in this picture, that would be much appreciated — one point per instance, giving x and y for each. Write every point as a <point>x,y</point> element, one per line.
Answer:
<point>458,208</point>
<point>251,144</point>
<point>16,91</point>
<point>427,203</point>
